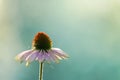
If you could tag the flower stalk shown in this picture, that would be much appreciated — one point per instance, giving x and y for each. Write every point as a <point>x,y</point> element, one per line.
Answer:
<point>41,65</point>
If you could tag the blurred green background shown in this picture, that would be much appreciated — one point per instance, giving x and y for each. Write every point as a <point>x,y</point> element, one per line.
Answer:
<point>88,30</point>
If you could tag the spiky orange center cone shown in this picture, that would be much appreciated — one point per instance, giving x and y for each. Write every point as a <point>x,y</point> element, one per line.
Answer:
<point>42,41</point>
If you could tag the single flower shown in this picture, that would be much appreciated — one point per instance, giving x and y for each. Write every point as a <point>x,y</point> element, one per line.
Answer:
<point>41,51</point>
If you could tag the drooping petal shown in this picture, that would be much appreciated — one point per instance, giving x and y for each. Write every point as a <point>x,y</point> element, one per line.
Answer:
<point>32,56</point>
<point>41,56</point>
<point>59,53</point>
<point>54,54</point>
<point>53,57</point>
<point>22,56</point>
<point>47,57</point>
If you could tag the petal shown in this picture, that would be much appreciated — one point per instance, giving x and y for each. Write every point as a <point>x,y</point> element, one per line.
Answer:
<point>47,57</point>
<point>53,57</point>
<point>40,56</point>
<point>32,56</point>
<point>22,56</point>
<point>59,53</point>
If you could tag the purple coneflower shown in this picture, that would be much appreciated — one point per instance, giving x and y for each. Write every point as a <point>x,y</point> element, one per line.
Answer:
<point>42,51</point>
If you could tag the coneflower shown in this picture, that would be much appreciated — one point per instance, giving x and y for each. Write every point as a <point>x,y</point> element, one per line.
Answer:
<point>41,51</point>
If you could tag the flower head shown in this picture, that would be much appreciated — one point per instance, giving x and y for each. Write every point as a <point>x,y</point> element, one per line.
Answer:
<point>42,51</point>
<point>42,41</point>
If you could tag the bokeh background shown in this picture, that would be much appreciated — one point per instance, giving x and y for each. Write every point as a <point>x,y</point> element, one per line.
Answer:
<point>88,30</point>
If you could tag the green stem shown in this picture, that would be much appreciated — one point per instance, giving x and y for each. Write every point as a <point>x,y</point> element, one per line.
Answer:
<point>41,71</point>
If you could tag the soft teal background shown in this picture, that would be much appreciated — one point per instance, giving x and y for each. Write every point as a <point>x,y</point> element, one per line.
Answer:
<point>88,30</point>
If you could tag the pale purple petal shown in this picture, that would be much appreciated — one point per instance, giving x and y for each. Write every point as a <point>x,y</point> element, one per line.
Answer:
<point>59,53</point>
<point>53,57</point>
<point>22,56</point>
<point>48,57</point>
<point>41,56</point>
<point>32,56</point>
<point>54,54</point>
